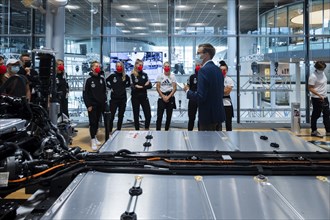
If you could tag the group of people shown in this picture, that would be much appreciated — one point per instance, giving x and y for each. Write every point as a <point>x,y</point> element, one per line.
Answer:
<point>18,78</point>
<point>95,99</point>
<point>228,106</point>
<point>208,91</point>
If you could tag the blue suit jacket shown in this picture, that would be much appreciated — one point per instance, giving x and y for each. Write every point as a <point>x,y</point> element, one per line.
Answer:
<point>209,94</point>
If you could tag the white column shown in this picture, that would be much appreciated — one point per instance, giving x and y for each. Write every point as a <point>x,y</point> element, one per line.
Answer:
<point>59,31</point>
<point>295,71</point>
<point>231,27</point>
<point>49,27</point>
<point>272,83</point>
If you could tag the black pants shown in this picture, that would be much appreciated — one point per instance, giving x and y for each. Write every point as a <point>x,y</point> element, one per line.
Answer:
<point>121,106</point>
<point>209,127</point>
<point>229,117</point>
<point>94,118</point>
<point>64,106</point>
<point>192,110</point>
<point>318,107</point>
<point>161,107</point>
<point>144,102</point>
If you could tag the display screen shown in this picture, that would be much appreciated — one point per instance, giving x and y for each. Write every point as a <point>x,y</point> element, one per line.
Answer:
<point>152,62</point>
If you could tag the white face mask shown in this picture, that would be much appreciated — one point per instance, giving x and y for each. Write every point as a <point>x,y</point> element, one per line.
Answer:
<point>14,69</point>
<point>198,58</point>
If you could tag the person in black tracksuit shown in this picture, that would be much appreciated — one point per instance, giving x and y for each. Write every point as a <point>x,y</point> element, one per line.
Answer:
<point>94,95</point>
<point>62,87</point>
<point>228,105</point>
<point>31,74</point>
<point>117,83</point>
<point>140,83</point>
<point>192,104</point>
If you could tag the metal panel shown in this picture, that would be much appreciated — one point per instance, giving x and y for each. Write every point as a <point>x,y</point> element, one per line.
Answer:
<point>134,140</point>
<point>105,196</point>
<point>11,125</point>
<point>96,195</point>
<point>192,140</point>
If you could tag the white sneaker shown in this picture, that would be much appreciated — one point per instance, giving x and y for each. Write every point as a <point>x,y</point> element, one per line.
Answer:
<point>93,144</point>
<point>97,141</point>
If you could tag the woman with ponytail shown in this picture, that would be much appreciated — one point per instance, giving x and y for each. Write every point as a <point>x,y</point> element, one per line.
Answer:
<point>140,84</point>
<point>117,82</point>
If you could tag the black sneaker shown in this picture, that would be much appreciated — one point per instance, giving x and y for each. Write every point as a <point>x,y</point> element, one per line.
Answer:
<point>316,134</point>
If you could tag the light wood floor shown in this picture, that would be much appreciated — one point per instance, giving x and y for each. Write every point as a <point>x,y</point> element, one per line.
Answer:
<point>83,140</point>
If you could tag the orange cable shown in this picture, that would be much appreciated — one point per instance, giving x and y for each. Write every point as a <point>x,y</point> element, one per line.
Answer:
<point>38,174</point>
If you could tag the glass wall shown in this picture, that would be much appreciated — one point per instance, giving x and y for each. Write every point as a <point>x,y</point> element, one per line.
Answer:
<point>264,45</point>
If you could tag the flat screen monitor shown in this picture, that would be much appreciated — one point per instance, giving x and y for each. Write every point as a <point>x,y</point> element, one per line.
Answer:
<point>152,62</point>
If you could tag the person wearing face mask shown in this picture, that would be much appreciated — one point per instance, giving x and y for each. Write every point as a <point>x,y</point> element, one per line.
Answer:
<point>3,71</point>
<point>30,73</point>
<point>3,68</point>
<point>317,85</point>
<point>94,95</point>
<point>16,85</point>
<point>228,84</point>
<point>192,104</point>
<point>210,90</point>
<point>166,87</point>
<point>140,84</point>
<point>117,82</point>
<point>62,87</point>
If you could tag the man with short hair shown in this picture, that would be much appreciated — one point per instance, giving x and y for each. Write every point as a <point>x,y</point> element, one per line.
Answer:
<point>317,85</point>
<point>210,90</point>
<point>62,87</point>
<point>27,70</point>
<point>16,85</point>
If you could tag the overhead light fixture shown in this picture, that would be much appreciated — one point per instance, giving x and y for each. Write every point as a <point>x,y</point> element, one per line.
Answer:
<point>135,19</point>
<point>157,24</point>
<point>126,7</point>
<point>35,4</point>
<point>182,7</point>
<point>58,3</point>
<point>94,11</point>
<point>72,7</point>
<point>198,24</point>
<point>180,19</point>
<point>139,28</point>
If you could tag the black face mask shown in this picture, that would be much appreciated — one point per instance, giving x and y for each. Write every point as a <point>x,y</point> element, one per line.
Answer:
<point>27,64</point>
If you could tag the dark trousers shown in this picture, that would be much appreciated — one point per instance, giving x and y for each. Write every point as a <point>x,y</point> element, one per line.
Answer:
<point>64,106</point>
<point>121,106</point>
<point>229,117</point>
<point>161,107</point>
<point>144,102</point>
<point>192,110</point>
<point>94,118</point>
<point>209,127</point>
<point>318,107</point>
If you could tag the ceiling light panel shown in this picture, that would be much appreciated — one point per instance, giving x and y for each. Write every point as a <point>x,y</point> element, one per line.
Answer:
<point>135,19</point>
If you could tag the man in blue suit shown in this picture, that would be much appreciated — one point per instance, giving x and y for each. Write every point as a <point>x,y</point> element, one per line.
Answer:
<point>210,89</point>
